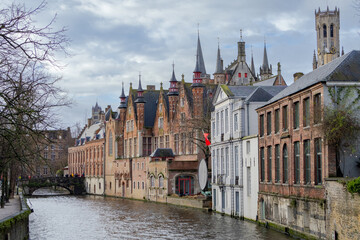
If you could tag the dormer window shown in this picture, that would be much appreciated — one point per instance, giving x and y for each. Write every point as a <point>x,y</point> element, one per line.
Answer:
<point>160,107</point>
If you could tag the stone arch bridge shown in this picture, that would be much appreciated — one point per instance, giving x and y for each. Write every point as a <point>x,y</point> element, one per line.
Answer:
<point>75,185</point>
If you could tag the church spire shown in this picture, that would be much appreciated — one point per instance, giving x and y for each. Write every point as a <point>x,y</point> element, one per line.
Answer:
<point>200,59</point>
<point>219,67</point>
<point>252,68</point>
<point>265,66</point>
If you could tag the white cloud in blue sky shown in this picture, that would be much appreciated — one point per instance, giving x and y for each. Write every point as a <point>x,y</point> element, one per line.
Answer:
<point>112,40</point>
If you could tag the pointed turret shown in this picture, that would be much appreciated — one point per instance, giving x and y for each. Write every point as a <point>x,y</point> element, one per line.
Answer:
<point>252,67</point>
<point>314,61</point>
<point>265,65</point>
<point>122,98</point>
<point>219,67</point>
<point>200,59</point>
<point>265,70</point>
<point>140,91</point>
<point>173,90</point>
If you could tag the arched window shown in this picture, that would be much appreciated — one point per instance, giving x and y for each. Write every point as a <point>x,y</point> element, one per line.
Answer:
<point>285,164</point>
<point>110,144</point>
<point>331,30</point>
<point>161,181</point>
<point>324,31</point>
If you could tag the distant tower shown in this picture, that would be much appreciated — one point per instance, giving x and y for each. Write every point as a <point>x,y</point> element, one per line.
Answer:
<point>327,26</point>
<point>265,70</point>
<point>219,75</point>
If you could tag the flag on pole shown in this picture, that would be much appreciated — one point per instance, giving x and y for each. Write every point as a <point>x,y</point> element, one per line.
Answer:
<point>207,141</point>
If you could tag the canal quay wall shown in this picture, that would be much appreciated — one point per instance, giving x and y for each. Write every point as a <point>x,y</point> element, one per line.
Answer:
<point>343,211</point>
<point>16,226</point>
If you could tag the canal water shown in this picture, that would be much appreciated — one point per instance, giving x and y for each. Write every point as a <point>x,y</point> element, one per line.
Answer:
<point>94,217</point>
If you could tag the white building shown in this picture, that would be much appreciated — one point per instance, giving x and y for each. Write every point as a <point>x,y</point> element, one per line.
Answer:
<point>234,147</point>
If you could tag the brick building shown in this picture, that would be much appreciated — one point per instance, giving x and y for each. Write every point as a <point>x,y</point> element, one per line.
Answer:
<point>86,158</point>
<point>150,119</point>
<point>54,153</point>
<point>294,158</point>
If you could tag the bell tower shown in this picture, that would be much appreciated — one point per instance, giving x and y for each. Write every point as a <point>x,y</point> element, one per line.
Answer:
<point>327,26</point>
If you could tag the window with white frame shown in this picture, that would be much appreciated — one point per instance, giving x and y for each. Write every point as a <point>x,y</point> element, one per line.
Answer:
<point>226,120</point>
<point>160,107</point>
<point>217,123</point>
<point>236,122</point>
<point>222,122</point>
<point>247,147</point>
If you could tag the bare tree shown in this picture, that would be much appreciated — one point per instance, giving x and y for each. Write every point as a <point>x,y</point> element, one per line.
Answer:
<point>341,123</point>
<point>29,95</point>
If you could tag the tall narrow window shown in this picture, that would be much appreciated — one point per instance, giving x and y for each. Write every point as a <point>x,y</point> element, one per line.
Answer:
<point>167,143</point>
<point>125,148</point>
<point>217,124</point>
<point>190,142</point>
<point>110,144</point>
<point>306,112</point>
<point>222,122</point>
<point>269,157</point>
<point>317,108</point>
<point>277,120</point>
<point>261,125</point>
<point>218,160</point>
<point>318,162</point>
<point>324,31</point>
<point>236,157</point>
<point>296,115</point>
<point>227,160</point>
<point>268,119</point>
<point>285,118</point>
<point>161,141</point>
<point>277,163</point>
<point>236,123</point>
<point>176,141</point>
<point>331,30</point>
<point>307,161</point>
<point>183,143</point>
<point>135,147</point>
<point>262,162</point>
<point>297,162</point>
<point>226,121</point>
<point>222,161</point>
<point>285,164</point>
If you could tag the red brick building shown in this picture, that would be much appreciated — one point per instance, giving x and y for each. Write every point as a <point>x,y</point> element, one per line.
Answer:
<point>149,119</point>
<point>294,158</point>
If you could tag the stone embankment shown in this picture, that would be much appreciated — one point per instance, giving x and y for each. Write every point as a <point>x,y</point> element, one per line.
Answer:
<point>14,219</point>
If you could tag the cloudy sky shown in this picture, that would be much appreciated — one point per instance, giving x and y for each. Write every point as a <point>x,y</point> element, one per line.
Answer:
<point>113,40</point>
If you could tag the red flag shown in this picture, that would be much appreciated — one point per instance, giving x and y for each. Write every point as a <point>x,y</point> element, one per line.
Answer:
<point>207,141</point>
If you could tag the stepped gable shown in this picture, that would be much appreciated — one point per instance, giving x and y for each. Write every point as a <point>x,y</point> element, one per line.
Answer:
<point>344,68</point>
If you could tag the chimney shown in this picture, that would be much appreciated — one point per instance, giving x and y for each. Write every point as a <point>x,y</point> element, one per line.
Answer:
<point>297,76</point>
<point>89,122</point>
